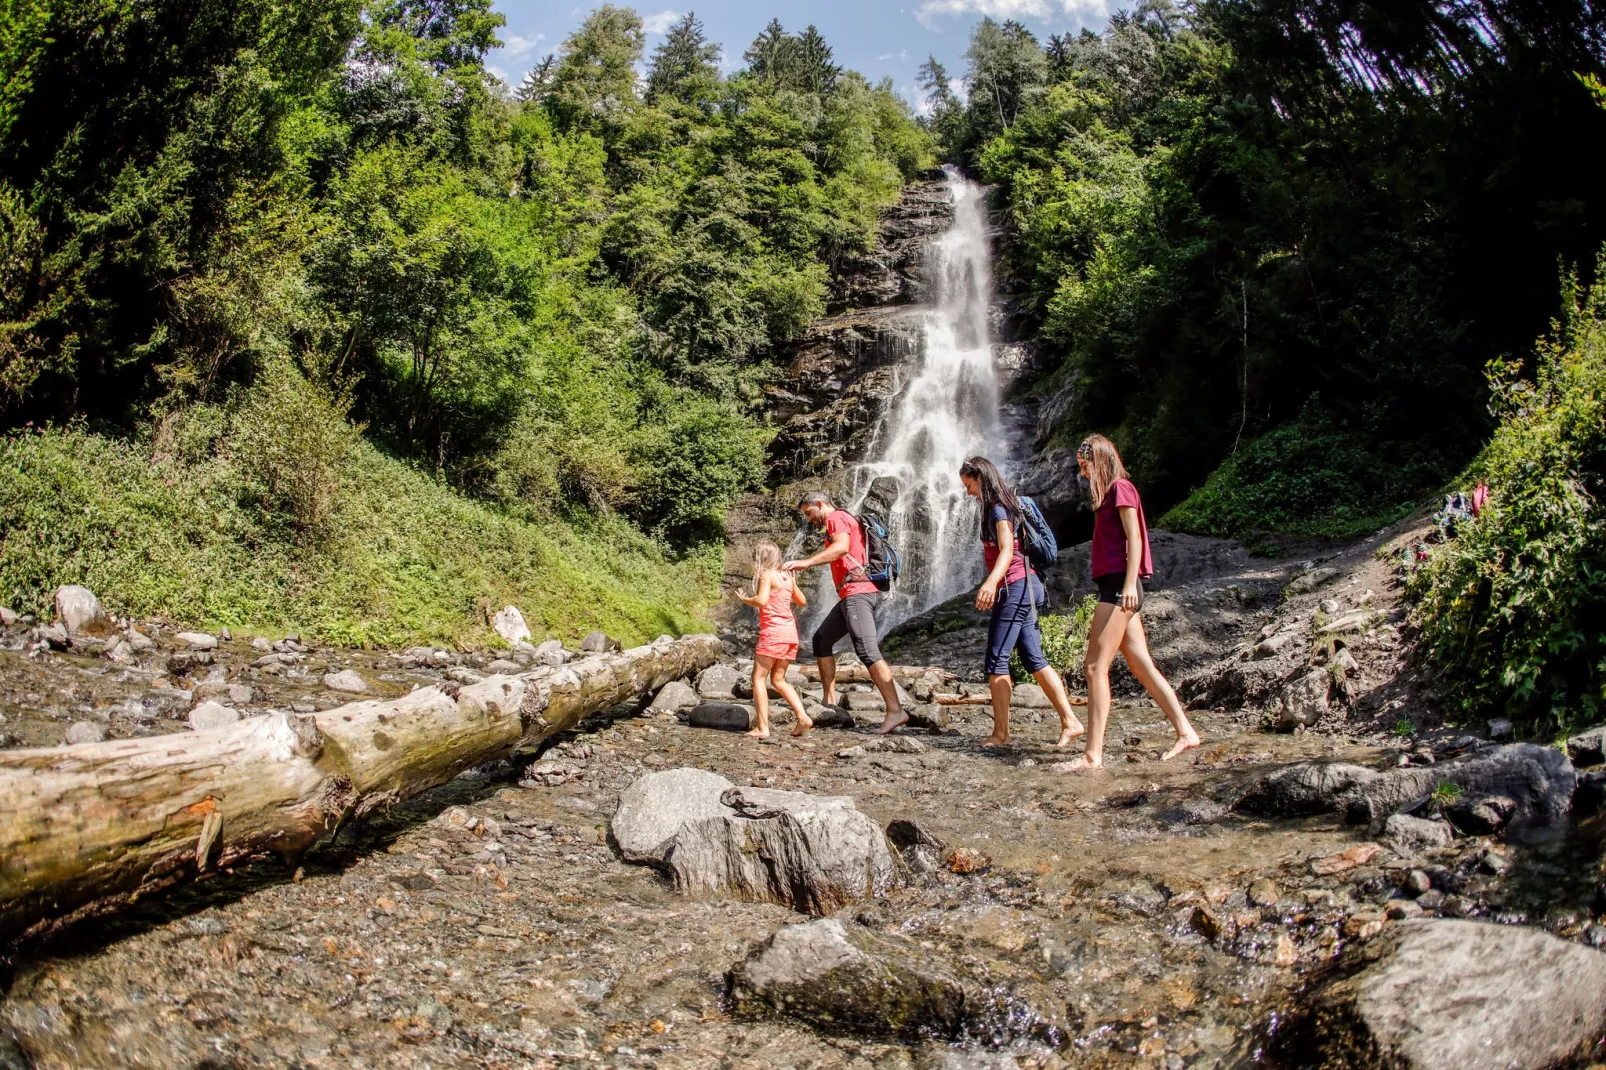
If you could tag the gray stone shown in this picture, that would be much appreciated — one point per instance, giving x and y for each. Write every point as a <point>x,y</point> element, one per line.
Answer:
<point>598,643</point>
<point>1194,812</point>
<point>920,850</point>
<point>503,667</point>
<point>885,745</point>
<point>811,853</point>
<point>85,732</point>
<point>1351,623</point>
<point>1588,747</point>
<point>1540,780</point>
<point>1273,645</point>
<point>849,979</point>
<point>673,697</point>
<point>550,653</point>
<point>262,644</point>
<point>727,716</point>
<point>1345,662</point>
<point>8,616</point>
<point>1480,815</point>
<point>654,807</point>
<point>931,716</point>
<point>509,624</point>
<point>864,702</point>
<point>80,612</point>
<point>1303,702</point>
<point>1312,579</point>
<point>209,715</point>
<point>1306,788</point>
<point>829,716</point>
<point>1412,834</point>
<point>198,640</point>
<point>1030,697</point>
<point>347,680</point>
<point>139,640</point>
<point>719,680</point>
<point>1500,728</point>
<point>1417,882</point>
<point>1453,995</point>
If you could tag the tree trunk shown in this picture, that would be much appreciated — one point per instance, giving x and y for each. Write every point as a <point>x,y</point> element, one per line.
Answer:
<point>92,827</point>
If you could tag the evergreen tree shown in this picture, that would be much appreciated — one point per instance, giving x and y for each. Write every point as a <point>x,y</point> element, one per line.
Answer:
<point>812,70</point>
<point>1006,69</point>
<point>537,84</point>
<point>683,67</point>
<point>596,75</point>
<point>934,86</point>
<point>772,55</point>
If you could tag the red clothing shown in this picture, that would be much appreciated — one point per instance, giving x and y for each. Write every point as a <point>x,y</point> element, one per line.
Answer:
<point>777,627</point>
<point>1109,538</point>
<point>989,549</point>
<point>841,520</point>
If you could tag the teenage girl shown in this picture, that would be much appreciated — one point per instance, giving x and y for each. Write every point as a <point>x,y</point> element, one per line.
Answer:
<point>1008,593</point>
<point>774,594</point>
<point>1121,561</point>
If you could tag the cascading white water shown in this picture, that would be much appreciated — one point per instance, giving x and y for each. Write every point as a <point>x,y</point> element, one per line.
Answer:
<point>946,412</point>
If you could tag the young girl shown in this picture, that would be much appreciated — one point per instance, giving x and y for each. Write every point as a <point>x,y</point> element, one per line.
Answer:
<point>1120,563</point>
<point>1008,593</point>
<point>774,595</point>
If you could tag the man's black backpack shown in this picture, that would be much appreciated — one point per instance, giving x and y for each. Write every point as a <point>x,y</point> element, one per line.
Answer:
<point>883,563</point>
<point>1036,537</point>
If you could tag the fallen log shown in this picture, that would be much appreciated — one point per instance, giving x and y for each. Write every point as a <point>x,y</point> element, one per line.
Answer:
<point>858,674</point>
<point>987,700</point>
<point>93,827</point>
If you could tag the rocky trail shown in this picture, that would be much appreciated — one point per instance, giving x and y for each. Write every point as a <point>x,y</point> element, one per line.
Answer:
<point>1274,897</point>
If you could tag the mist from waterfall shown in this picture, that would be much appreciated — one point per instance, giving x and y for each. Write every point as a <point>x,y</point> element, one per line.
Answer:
<point>947,411</point>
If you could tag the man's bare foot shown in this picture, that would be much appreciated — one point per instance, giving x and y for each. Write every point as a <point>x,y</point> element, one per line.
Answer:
<point>1079,765</point>
<point>802,727</point>
<point>760,733</point>
<point>895,719</point>
<point>995,741</point>
<point>1187,742</point>
<point>1069,733</point>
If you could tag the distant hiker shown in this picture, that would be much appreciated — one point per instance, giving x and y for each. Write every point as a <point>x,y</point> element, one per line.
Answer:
<point>854,614</point>
<point>1009,591</point>
<point>1121,561</point>
<point>774,594</point>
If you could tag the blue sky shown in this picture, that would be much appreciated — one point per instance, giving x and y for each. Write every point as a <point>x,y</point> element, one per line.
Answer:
<point>876,37</point>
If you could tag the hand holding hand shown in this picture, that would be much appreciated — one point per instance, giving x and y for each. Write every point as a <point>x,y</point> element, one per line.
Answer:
<point>986,596</point>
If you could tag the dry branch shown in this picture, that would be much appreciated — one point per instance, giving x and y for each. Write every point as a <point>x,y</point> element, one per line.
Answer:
<point>92,827</point>
<point>987,700</point>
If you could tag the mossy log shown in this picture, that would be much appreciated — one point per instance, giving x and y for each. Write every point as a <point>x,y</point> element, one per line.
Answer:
<point>92,827</point>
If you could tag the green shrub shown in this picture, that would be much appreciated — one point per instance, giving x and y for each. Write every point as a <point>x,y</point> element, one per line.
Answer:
<point>1064,641</point>
<point>292,439</point>
<point>1313,477</point>
<point>1513,610</point>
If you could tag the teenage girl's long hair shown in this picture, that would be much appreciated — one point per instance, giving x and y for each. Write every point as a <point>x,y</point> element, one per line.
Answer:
<point>994,491</point>
<point>766,557</point>
<point>1103,464</point>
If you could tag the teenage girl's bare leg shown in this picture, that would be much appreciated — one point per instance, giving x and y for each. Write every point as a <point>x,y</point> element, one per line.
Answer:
<point>1135,648</point>
<point>789,693</point>
<point>1103,643</point>
<point>1003,689</point>
<point>761,695</point>
<point>1054,688</point>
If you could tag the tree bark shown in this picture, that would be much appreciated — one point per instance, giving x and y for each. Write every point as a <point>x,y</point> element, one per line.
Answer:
<point>93,827</point>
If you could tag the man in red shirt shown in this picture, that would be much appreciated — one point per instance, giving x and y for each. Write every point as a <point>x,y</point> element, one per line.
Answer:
<point>854,613</point>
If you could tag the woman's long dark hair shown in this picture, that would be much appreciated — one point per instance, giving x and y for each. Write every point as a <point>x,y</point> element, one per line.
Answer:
<point>994,491</point>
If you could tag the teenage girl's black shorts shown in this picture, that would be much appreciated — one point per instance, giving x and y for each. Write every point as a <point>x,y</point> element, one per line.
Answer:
<point>1110,588</point>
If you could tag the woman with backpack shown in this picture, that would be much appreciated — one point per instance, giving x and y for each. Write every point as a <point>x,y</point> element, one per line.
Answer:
<point>1121,562</point>
<point>1010,593</point>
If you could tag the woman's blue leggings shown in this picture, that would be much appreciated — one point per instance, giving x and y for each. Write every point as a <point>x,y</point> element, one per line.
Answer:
<point>1014,627</point>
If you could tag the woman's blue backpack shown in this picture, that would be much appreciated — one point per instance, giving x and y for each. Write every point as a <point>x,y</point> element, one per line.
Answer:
<point>1036,537</point>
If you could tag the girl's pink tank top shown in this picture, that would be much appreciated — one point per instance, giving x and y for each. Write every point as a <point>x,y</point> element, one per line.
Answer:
<point>777,612</point>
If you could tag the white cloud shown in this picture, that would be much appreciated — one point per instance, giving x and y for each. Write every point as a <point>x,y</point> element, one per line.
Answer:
<point>1090,13</point>
<point>900,54</point>
<point>499,73</point>
<point>661,22</point>
<point>519,47</point>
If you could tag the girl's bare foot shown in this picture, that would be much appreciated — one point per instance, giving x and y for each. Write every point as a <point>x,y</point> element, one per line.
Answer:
<point>760,733</point>
<point>1187,742</point>
<point>995,741</point>
<point>896,719</point>
<point>804,723</point>
<point>1079,765</point>
<point>1074,730</point>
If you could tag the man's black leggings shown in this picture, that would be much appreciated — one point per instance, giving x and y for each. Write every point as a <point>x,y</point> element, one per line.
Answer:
<point>853,616</point>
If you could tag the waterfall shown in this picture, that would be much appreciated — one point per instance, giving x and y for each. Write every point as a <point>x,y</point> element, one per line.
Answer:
<point>945,410</point>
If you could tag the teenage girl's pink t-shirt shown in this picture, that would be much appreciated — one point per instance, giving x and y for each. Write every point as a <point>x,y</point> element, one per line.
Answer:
<point>1109,539</point>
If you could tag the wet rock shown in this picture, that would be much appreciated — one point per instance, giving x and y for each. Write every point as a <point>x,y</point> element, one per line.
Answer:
<point>1417,882</point>
<point>1030,697</point>
<point>1303,702</point>
<point>347,680</point>
<point>848,979</point>
<point>829,716</point>
<point>885,745</point>
<point>80,612</point>
<point>1332,865</point>
<point>1264,893</point>
<point>967,860</point>
<point>1500,728</point>
<point>1308,581</point>
<point>1304,789</point>
<point>1540,780</point>
<point>504,667</point>
<point>726,716</point>
<point>811,853</point>
<point>209,715</point>
<point>1210,923</point>
<point>1412,834</point>
<point>598,643</point>
<point>931,716</point>
<point>1588,747</point>
<point>654,807</point>
<point>55,635</point>
<point>1194,812</point>
<point>1480,815</point>
<point>509,624</point>
<point>673,697</point>
<point>198,640</point>
<point>1453,995</point>
<point>920,850</point>
<point>550,653</point>
<point>720,679</point>
<point>85,732</point>
<point>1402,909</point>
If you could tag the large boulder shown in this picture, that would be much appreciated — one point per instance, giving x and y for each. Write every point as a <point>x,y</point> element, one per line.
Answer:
<point>1303,702</point>
<point>1539,780</point>
<point>719,680</point>
<point>80,612</point>
<point>653,809</point>
<point>725,716</point>
<point>510,625</point>
<point>598,643</point>
<point>1588,747</point>
<point>849,979</point>
<point>1306,788</point>
<point>1452,995</point>
<point>1412,834</point>
<point>673,697</point>
<point>812,853</point>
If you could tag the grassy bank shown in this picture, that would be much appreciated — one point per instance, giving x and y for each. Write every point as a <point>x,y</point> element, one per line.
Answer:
<point>399,557</point>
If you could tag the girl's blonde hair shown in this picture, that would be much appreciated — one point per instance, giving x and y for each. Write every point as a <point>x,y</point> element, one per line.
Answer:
<point>766,557</point>
<point>1103,465</point>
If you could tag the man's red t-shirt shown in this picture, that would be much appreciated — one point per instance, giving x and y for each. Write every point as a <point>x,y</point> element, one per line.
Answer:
<point>1109,538</point>
<point>839,520</point>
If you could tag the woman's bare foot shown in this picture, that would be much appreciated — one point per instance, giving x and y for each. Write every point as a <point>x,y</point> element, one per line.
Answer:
<point>995,741</point>
<point>896,719</point>
<point>804,723</point>
<point>1074,730</point>
<point>1079,765</point>
<point>1187,742</point>
<point>760,733</point>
